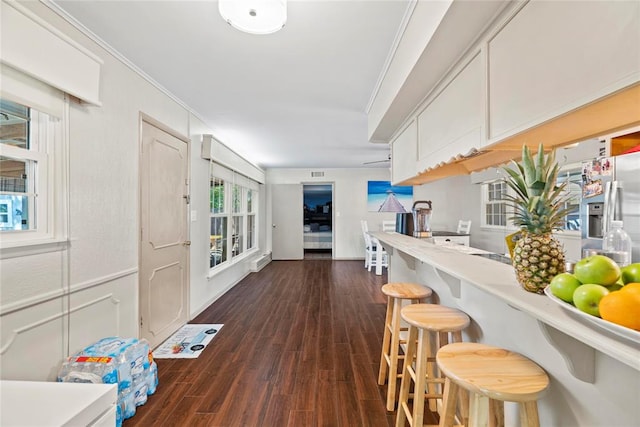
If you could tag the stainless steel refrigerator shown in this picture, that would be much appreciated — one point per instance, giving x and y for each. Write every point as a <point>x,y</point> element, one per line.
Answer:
<point>611,191</point>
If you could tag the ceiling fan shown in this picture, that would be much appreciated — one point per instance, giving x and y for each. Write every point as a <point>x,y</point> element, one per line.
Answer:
<point>387,160</point>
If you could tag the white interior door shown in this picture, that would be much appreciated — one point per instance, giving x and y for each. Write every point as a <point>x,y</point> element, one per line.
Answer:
<point>288,217</point>
<point>164,245</point>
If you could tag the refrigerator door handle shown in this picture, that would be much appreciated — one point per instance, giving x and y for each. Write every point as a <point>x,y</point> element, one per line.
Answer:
<point>607,207</point>
<point>616,211</point>
<point>611,206</point>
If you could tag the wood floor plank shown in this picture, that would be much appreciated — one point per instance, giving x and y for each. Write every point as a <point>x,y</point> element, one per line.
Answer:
<point>178,414</point>
<point>277,413</point>
<point>326,399</point>
<point>301,419</point>
<point>347,404</point>
<point>198,419</point>
<point>300,347</point>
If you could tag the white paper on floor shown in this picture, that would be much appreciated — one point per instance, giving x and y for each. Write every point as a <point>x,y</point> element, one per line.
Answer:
<point>188,342</point>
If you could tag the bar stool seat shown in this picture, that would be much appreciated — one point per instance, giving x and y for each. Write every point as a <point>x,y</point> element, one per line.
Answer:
<point>431,326</point>
<point>492,375</point>
<point>390,356</point>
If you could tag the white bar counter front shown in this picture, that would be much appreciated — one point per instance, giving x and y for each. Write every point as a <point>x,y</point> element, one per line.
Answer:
<point>39,403</point>
<point>595,373</point>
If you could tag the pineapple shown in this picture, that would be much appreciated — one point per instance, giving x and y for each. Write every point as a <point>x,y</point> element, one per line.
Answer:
<point>538,210</point>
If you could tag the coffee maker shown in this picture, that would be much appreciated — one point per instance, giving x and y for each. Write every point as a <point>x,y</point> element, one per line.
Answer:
<point>422,220</point>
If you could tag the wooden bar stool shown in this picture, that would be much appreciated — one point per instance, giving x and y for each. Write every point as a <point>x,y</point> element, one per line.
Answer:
<point>396,293</point>
<point>493,376</point>
<point>445,324</point>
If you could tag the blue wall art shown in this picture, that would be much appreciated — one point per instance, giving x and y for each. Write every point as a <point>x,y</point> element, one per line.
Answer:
<point>384,197</point>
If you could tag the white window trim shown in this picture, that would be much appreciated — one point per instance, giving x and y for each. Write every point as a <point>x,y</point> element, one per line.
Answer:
<point>52,232</point>
<point>483,207</point>
<point>223,214</point>
<point>242,214</point>
<point>220,268</point>
<point>252,213</point>
<point>230,181</point>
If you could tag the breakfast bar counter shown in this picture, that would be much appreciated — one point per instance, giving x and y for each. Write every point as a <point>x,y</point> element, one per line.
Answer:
<point>595,371</point>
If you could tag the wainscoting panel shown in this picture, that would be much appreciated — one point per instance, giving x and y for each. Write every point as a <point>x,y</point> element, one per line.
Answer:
<point>36,338</point>
<point>104,311</point>
<point>33,343</point>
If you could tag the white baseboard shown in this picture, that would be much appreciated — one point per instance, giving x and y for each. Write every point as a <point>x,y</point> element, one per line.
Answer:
<point>260,262</point>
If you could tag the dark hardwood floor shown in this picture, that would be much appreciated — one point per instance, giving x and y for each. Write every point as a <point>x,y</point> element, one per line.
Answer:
<point>300,347</point>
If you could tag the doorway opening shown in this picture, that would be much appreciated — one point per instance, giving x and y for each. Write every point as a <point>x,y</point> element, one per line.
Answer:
<point>318,220</point>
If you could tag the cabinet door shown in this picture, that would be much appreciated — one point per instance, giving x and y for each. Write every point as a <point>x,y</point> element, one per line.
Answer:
<point>554,56</point>
<point>404,151</point>
<point>451,124</point>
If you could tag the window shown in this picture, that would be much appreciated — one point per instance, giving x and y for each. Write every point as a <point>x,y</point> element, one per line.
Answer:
<point>237,235</point>
<point>218,248</point>
<point>31,183</point>
<point>233,216</point>
<point>251,220</point>
<point>496,210</point>
<point>495,206</point>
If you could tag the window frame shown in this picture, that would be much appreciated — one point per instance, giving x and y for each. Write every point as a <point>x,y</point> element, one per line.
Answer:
<point>486,201</point>
<point>238,218</point>
<point>223,214</point>
<point>251,227</point>
<point>237,209</point>
<point>49,149</point>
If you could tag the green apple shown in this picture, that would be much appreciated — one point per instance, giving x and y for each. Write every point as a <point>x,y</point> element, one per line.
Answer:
<point>615,287</point>
<point>630,273</point>
<point>587,298</point>
<point>563,285</point>
<point>597,269</point>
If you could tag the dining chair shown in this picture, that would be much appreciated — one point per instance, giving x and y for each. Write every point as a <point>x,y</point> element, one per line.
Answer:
<point>464,227</point>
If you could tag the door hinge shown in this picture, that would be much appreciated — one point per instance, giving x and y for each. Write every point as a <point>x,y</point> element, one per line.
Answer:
<point>141,321</point>
<point>187,198</point>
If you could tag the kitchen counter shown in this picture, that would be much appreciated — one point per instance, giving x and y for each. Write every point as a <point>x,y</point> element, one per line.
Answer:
<point>590,367</point>
<point>37,403</point>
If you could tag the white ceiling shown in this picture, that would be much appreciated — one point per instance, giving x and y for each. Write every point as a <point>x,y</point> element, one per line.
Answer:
<point>295,98</point>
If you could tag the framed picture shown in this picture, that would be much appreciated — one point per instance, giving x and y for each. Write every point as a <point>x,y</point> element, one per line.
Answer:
<point>384,197</point>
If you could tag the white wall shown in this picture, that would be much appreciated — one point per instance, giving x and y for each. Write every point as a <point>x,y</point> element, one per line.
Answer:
<point>52,304</point>
<point>350,203</point>
<point>204,289</point>
<point>452,199</point>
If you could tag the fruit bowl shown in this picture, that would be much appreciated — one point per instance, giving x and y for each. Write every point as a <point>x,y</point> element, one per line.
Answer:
<point>621,331</point>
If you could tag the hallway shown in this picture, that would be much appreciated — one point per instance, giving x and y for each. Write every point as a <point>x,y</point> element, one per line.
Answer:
<point>300,347</point>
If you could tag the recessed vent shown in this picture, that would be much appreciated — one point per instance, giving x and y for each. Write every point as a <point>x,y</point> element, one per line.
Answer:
<point>317,174</point>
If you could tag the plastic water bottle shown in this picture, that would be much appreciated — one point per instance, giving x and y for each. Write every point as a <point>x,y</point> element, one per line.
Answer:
<point>140,389</point>
<point>616,244</point>
<point>152,378</point>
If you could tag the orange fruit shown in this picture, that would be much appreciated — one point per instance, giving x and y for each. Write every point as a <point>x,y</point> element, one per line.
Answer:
<point>621,308</point>
<point>631,287</point>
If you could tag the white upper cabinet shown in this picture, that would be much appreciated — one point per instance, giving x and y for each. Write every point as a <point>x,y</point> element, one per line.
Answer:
<point>404,151</point>
<point>451,125</point>
<point>555,56</point>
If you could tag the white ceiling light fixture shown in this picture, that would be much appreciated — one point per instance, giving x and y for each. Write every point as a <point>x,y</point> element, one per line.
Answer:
<point>254,16</point>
